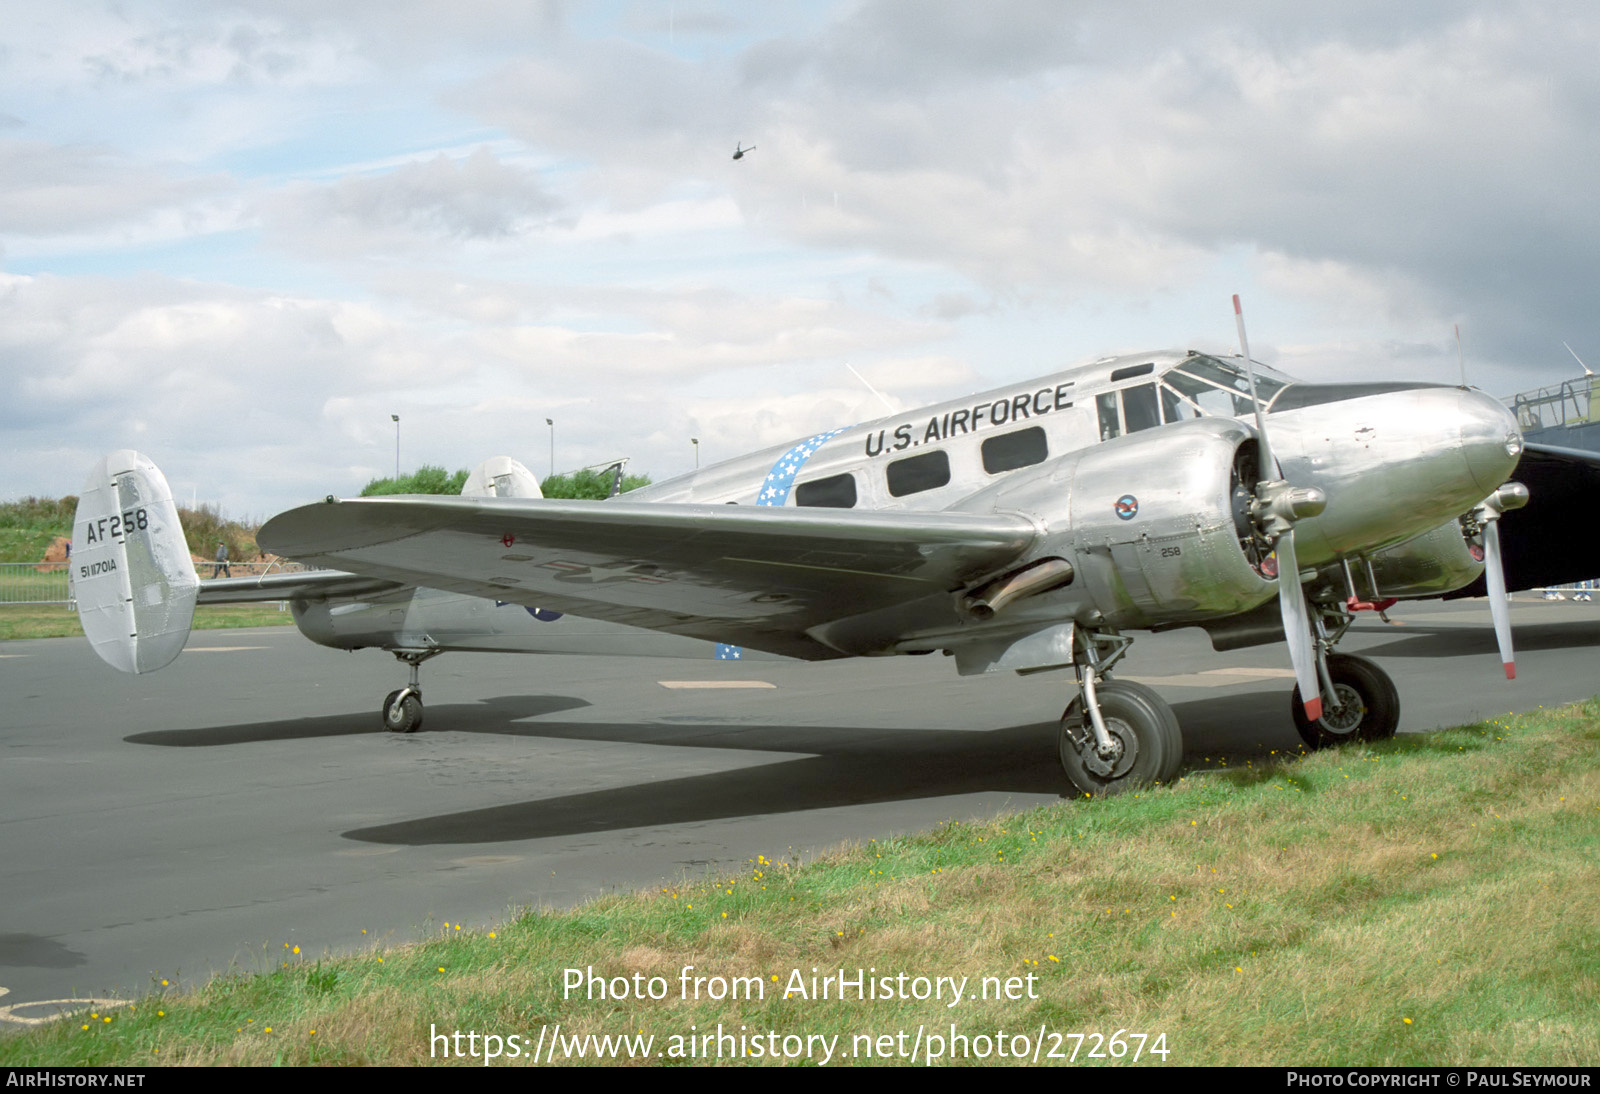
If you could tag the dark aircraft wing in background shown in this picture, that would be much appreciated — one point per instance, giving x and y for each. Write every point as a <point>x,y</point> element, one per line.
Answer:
<point>1555,538</point>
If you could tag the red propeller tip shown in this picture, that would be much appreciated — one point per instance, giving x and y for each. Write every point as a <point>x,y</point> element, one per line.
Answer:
<point>1511,670</point>
<point>1314,709</point>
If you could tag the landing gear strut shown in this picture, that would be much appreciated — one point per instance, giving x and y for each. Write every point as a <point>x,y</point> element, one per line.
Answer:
<point>402,710</point>
<point>1359,700</point>
<point>1116,735</point>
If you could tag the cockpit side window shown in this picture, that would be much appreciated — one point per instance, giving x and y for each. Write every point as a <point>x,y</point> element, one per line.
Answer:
<point>1174,408</point>
<point>1110,420</point>
<point>1139,407</point>
<point>1212,401</point>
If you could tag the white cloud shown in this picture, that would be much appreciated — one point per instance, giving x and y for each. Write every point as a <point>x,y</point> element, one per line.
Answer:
<point>267,227</point>
<point>418,204</point>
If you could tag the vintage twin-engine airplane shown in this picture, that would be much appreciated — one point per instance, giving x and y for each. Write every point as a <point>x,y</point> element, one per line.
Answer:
<point>1023,529</point>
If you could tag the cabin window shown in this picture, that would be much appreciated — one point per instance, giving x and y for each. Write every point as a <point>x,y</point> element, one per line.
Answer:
<point>915,474</point>
<point>834,492</point>
<point>1010,451</point>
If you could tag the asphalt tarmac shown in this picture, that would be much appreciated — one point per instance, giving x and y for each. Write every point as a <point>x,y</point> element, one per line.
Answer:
<point>210,817</point>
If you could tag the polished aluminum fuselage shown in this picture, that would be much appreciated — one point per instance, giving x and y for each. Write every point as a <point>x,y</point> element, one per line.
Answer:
<point>1149,519</point>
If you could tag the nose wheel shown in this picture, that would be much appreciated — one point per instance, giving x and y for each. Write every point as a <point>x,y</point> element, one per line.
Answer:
<point>402,709</point>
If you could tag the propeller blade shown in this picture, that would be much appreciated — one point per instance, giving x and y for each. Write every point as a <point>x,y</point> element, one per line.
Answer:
<point>1297,626</point>
<point>1499,604</point>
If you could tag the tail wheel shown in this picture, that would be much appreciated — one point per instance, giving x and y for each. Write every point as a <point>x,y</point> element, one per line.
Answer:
<point>402,715</point>
<point>1148,746</point>
<point>1366,707</point>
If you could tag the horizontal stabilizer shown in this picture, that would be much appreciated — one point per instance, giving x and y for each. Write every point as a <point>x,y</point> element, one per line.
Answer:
<point>312,585</point>
<point>132,577</point>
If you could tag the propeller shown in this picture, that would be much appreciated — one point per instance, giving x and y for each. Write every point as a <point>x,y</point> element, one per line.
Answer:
<point>1276,507</point>
<point>1513,495</point>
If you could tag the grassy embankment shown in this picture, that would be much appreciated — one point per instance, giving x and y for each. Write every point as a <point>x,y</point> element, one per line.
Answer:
<point>1430,900</point>
<point>28,528</point>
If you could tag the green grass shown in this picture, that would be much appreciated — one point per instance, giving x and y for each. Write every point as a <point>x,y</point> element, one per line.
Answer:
<point>60,621</point>
<point>1430,900</point>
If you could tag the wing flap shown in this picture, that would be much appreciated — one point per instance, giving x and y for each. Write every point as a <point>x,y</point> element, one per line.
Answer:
<point>757,576</point>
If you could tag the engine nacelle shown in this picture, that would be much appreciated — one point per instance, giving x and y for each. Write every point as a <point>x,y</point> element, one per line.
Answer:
<point>1432,564</point>
<point>1154,524</point>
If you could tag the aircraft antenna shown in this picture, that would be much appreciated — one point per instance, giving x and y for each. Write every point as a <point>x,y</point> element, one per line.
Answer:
<point>1578,359</point>
<point>1461,357</point>
<point>887,404</point>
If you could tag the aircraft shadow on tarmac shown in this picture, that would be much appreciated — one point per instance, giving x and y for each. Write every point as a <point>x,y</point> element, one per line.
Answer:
<point>34,951</point>
<point>843,765</point>
<point>462,716</point>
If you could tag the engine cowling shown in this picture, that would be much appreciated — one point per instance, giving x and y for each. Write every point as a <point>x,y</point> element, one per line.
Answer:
<point>1156,525</point>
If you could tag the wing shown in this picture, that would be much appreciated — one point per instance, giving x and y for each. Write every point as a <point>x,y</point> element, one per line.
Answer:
<point>755,576</point>
<point>1555,538</point>
<point>315,585</point>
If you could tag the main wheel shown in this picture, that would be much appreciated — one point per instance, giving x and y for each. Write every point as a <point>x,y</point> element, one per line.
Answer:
<point>1148,746</point>
<point>1368,709</point>
<point>404,715</point>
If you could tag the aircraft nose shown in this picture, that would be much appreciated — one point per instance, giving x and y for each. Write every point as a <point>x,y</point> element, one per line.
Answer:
<point>1490,440</point>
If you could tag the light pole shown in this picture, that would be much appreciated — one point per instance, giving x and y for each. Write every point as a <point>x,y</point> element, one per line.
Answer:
<point>551,423</point>
<point>396,419</point>
<point>696,442</point>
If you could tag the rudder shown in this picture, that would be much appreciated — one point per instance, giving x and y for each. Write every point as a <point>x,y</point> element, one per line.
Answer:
<point>133,579</point>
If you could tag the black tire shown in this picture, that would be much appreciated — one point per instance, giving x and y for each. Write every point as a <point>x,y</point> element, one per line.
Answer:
<point>404,716</point>
<point>1371,711</point>
<point>1143,725</point>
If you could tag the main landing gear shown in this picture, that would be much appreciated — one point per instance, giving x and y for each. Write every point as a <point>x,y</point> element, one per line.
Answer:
<point>1116,735</point>
<point>1359,700</point>
<point>402,710</point>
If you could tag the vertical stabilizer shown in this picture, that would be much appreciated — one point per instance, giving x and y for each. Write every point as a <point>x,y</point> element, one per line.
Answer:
<point>132,577</point>
<point>501,477</point>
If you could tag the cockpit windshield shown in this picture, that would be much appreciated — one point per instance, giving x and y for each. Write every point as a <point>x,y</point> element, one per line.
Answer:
<point>1221,388</point>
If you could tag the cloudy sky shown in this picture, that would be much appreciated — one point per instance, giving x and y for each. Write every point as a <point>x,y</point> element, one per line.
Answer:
<point>239,236</point>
